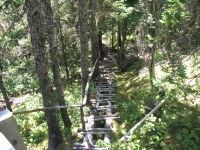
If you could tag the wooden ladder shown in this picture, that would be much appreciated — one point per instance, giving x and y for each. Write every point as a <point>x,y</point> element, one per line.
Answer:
<point>104,101</point>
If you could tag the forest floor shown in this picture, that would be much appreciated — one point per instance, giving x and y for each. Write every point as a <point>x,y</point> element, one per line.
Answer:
<point>14,101</point>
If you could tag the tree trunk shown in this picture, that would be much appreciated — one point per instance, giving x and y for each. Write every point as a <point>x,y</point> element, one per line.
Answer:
<point>101,44</point>
<point>152,70</point>
<point>112,32</point>
<point>36,25</point>
<point>63,51</point>
<point>94,38</point>
<point>119,45</point>
<point>54,58</point>
<point>123,35</point>
<point>4,93</point>
<point>83,44</point>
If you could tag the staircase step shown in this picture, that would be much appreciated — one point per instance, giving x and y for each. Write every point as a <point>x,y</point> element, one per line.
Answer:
<point>105,95</point>
<point>79,146</point>
<point>106,82</point>
<point>104,88</point>
<point>102,101</point>
<point>90,132</point>
<point>106,107</point>
<point>83,148</point>
<point>98,118</point>
<point>95,129</point>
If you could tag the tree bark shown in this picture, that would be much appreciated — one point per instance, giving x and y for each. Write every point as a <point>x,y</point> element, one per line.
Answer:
<point>112,36</point>
<point>65,58</point>
<point>36,25</point>
<point>119,42</point>
<point>94,38</point>
<point>154,33</point>
<point>123,39</point>
<point>54,58</point>
<point>83,44</point>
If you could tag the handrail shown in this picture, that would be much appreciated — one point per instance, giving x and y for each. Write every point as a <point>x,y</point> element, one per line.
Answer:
<point>142,121</point>
<point>88,81</point>
<point>44,108</point>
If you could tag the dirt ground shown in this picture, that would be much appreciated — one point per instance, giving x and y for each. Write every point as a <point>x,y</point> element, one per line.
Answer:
<point>14,101</point>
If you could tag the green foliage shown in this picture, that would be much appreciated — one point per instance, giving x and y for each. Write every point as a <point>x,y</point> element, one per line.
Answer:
<point>17,34</point>
<point>167,128</point>
<point>18,83</point>
<point>32,126</point>
<point>188,136</point>
<point>18,2</point>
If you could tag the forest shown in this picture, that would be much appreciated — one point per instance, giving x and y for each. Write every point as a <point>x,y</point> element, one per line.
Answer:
<point>50,64</point>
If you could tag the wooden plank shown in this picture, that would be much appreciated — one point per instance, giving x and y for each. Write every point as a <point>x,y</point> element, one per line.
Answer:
<point>110,115</point>
<point>106,82</point>
<point>93,132</point>
<point>104,88</point>
<point>103,118</point>
<point>94,129</point>
<point>98,118</point>
<point>143,120</point>
<point>108,77</point>
<point>107,107</point>
<point>82,147</point>
<point>102,101</point>
<point>104,92</point>
<point>8,128</point>
<point>105,95</point>
<point>84,100</point>
<point>99,99</point>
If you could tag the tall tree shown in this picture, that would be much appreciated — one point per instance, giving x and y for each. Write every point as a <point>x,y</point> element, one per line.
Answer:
<point>83,43</point>
<point>54,58</point>
<point>38,38</point>
<point>94,37</point>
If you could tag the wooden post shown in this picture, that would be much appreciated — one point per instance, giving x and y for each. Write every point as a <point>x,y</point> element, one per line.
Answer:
<point>8,128</point>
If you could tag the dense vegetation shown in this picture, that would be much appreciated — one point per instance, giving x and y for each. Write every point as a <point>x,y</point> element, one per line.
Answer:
<point>156,45</point>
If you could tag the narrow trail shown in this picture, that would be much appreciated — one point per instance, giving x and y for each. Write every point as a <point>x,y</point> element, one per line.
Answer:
<point>99,121</point>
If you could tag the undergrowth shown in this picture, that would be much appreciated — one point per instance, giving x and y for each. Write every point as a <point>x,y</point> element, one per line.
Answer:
<point>175,126</point>
<point>33,126</point>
